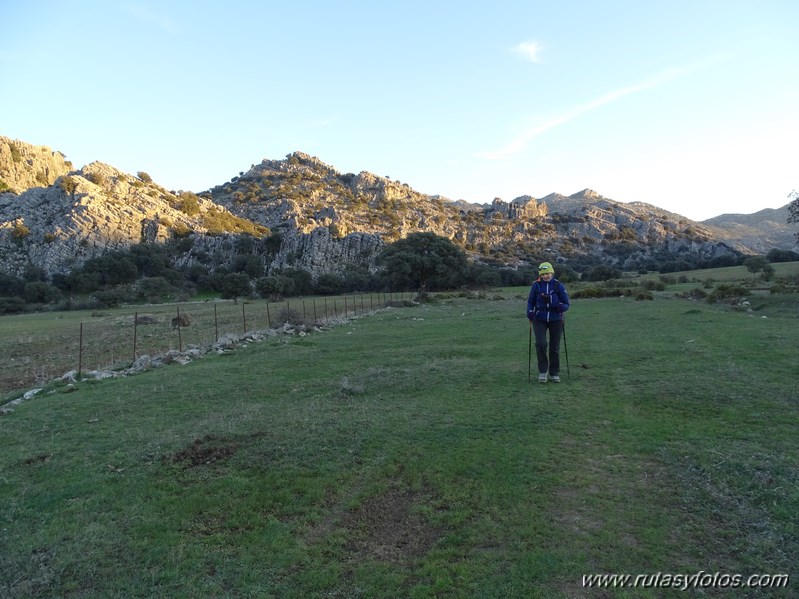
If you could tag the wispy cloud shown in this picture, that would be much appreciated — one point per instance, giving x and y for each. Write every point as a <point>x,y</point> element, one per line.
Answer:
<point>144,13</point>
<point>528,50</point>
<point>520,142</point>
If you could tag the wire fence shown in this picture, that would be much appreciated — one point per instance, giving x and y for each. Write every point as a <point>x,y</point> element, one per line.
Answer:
<point>113,339</point>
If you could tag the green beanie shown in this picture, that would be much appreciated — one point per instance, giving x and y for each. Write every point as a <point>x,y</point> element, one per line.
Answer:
<point>544,268</point>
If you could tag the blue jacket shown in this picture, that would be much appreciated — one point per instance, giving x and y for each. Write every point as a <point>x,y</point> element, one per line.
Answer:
<point>547,301</point>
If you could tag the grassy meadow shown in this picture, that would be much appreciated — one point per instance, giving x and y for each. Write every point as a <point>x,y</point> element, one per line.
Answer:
<point>405,454</point>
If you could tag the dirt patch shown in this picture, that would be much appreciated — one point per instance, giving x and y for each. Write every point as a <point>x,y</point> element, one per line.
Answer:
<point>388,528</point>
<point>38,459</point>
<point>207,450</point>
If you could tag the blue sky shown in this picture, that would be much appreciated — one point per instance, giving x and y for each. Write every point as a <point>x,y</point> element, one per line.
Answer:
<point>689,105</point>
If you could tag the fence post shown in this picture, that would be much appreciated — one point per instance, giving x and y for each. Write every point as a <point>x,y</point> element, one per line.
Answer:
<point>80,351</point>
<point>135,333</point>
<point>268,317</point>
<point>314,312</point>
<point>304,318</point>
<point>216,325</point>
<point>243,318</point>
<point>180,338</point>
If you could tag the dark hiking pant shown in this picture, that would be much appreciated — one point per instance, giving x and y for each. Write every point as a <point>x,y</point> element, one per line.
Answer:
<point>548,357</point>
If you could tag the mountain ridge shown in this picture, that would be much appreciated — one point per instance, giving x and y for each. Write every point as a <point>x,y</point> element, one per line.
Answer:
<point>55,217</point>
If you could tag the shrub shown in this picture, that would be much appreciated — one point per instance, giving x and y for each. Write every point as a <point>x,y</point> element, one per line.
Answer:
<point>588,292</point>
<point>728,293</point>
<point>651,285</point>
<point>12,305</point>
<point>695,294</point>
<point>189,203</point>
<point>19,231</point>
<point>114,296</point>
<point>41,293</point>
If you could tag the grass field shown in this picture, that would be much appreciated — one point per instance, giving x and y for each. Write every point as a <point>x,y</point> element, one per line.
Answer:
<point>405,454</point>
<point>41,347</point>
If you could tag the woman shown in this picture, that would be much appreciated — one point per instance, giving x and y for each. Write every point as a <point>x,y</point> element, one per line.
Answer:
<point>546,304</point>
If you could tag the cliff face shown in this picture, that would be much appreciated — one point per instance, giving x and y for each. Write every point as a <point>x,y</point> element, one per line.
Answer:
<point>23,166</point>
<point>301,213</point>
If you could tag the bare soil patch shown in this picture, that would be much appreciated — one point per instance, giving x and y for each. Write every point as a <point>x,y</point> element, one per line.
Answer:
<point>207,450</point>
<point>388,528</point>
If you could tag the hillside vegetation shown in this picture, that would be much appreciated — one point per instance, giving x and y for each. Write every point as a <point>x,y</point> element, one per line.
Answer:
<point>54,219</point>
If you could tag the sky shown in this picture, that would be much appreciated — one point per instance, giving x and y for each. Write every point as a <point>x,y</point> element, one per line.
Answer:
<point>689,105</point>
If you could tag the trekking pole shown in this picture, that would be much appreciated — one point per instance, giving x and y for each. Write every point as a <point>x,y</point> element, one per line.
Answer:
<point>530,351</point>
<point>566,348</point>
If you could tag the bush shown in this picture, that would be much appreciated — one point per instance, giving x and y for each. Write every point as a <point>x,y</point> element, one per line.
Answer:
<point>727,293</point>
<point>651,285</point>
<point>41,293</point>
<point>588,292</point>
<point>12,305</point>
<point>10,285</point>
<point>114,296</point>
<point>19,231</point>
<point>695,294</point>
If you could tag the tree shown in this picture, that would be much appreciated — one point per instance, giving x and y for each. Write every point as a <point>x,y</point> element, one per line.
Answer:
<point>235,285</point>
<point>154,289</point>
<point>793,209</point>
<point>778,255</point>
<point>424,260</point>
<point>759,264</point>
<point>39,292</point>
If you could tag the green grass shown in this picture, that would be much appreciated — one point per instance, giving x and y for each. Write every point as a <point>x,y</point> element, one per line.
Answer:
<point>41,347</point>
<point>405,454</point>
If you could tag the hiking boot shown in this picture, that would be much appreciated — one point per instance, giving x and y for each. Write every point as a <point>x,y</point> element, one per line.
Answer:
<point>542,377</point>
<point>554,378</point>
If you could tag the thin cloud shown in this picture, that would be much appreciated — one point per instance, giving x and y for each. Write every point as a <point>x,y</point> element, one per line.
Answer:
<point>528,50</point>
<point>521,141</point>
<point>144,13</point>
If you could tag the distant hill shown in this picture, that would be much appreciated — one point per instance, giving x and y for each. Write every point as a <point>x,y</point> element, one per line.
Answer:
<point>302,213</point>
<point>760,231</point>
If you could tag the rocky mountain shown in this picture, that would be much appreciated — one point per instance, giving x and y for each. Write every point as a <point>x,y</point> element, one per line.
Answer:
<point>303,213</point>
<point>758,232</point>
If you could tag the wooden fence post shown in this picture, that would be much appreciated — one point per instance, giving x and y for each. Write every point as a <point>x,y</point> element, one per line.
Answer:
<point>180,338</point>
<point>80,351</point>
<point>216,325</point>
<point>135,333</point>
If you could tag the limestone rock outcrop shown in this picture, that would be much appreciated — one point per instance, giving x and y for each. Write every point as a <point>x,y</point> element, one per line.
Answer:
<point>302,213</point>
